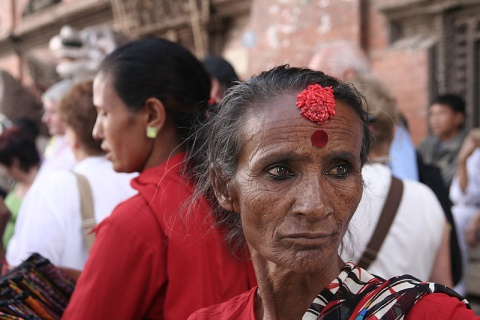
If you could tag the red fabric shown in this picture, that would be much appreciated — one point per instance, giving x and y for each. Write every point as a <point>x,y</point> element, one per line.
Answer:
<point>240,307</point>
<point>148,261</point>
<point>438,306</point>
<point>435,306</point>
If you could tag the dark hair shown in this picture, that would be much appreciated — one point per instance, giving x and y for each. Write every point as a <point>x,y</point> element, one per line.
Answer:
<point>220,155</point>
<point>451,100</point>
<point>220,69</point>
<point>17,143</point>
<point>158,68</point>
<point>77,111</point>
<point>28,125</point>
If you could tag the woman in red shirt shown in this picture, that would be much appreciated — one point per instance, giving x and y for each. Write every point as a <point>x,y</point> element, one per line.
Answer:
<point>283,164</point>
<point>150,259</point>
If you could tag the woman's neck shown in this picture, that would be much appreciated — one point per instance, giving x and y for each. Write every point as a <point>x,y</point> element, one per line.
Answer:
<point>80,153</point>
<point>285,294</point>
<point>162,148</point>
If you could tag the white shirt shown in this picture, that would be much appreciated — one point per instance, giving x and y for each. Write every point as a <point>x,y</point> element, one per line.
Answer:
<point>414,238</point>
<point>465,206</point>
<point>49,220</point>
<point>58,155</point>
<point>471,197</point>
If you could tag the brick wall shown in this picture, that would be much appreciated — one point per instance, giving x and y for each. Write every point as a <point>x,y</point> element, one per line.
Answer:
<point>404,67</point>
<point>406,75</point>
<point>287,31</point>
<point>9,61</point>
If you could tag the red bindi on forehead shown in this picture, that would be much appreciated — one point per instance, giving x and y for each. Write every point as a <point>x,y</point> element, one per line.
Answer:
<point>319,138</point>
<point>317,104</point>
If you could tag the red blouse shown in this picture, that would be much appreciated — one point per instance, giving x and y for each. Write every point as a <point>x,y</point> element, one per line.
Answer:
<point>151,260</point>
<point>435,306</point>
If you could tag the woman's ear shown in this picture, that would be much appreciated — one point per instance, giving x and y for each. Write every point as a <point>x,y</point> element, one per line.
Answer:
<point>223,193</point>
<point>215,90</point>
<point>155,113</point>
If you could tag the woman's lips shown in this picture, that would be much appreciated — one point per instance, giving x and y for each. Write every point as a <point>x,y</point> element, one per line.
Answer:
<point>308,239</point>
<point>108,154</point>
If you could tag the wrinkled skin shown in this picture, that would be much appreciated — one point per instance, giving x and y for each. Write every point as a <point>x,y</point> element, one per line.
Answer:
<point>295,201</point>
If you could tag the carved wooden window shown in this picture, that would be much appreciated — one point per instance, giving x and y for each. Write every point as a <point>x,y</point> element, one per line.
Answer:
<point>462,48</point>
<point>34,6</point>
<point>454,57</point>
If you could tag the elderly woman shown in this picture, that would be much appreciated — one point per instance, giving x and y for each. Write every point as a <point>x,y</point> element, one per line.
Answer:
<point>285,155</point>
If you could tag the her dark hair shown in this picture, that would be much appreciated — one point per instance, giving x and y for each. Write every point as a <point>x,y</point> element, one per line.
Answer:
<point>451,100</point>
<point>221,69</point>
<point>220,156</point>
<point>17,143</point>
<point>29,125</point>
<point>153,67</point>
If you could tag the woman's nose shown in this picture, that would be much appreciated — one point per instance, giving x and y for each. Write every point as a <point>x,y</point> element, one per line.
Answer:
<point>313,199</point>
<point>97,130</point>
<point>45,117</point>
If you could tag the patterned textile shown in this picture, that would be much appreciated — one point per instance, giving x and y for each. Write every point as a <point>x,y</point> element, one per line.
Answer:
<point>357,294</point>
<point>36,289</point>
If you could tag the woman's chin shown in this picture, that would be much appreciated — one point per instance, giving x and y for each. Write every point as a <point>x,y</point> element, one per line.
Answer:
<point>308,261</point>
<point>117,166</point>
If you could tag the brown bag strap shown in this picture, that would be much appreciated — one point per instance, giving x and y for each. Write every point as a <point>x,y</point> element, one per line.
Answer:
<point>86,208</point>
<point>389,211</point>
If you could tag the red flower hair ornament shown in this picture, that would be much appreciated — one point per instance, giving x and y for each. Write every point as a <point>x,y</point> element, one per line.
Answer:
<point>316,103</point>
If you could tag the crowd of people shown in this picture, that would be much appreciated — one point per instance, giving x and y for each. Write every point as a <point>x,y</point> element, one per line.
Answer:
<point>171,189</point>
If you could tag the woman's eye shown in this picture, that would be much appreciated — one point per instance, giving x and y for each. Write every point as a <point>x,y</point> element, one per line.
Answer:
<point>101,114</point>
<point>341,171</point>
<point>280,172</point>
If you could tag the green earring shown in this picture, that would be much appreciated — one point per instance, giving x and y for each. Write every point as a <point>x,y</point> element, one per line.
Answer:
<point>152,132</point>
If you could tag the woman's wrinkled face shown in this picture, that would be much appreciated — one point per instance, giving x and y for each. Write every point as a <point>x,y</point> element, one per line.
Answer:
<point>296,199</point>
<point>122,132</point>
